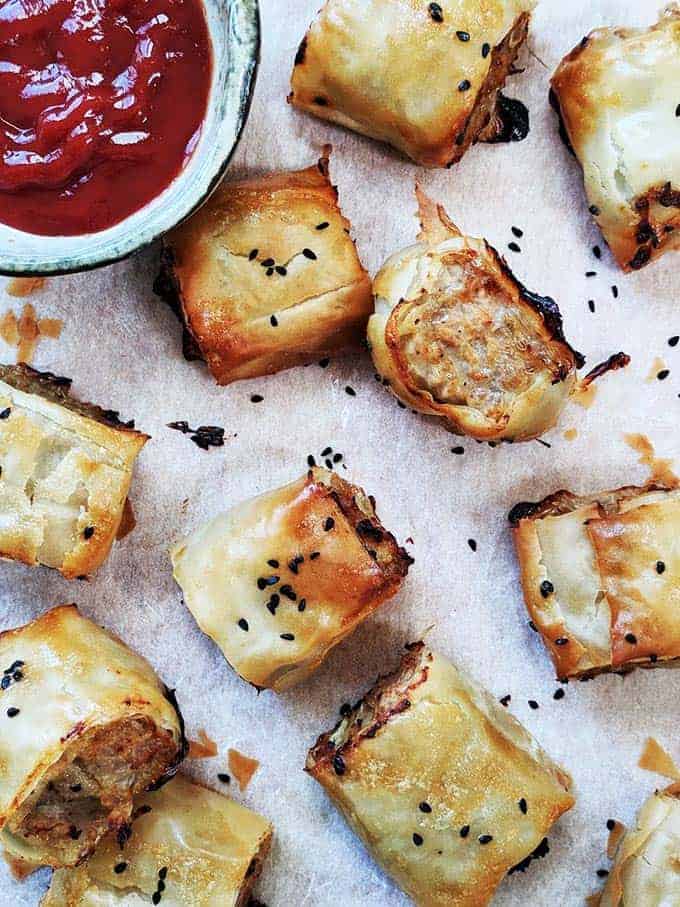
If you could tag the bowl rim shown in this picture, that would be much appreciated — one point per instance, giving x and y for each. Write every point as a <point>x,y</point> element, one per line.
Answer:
<point>242,78</point>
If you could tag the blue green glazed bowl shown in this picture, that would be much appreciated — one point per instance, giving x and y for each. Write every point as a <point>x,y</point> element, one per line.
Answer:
<point>235,32</point>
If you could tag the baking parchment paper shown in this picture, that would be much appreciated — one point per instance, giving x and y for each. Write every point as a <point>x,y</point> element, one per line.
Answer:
<point>122,347</point>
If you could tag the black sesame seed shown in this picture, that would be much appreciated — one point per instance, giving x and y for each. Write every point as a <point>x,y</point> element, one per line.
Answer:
<point>323,226</point>
<point>156,897</point>
<point>591,273</point>
<point>309,254</point>
<point>417,839</point>
<point>302,605</point>
<point>119,867</point>
<point>161,886</point>
<point>268,263</point>
<point>472,544</point>
<point>594,210</point>
<point>256,398</point>
<point>281,270</point>
<point>243,624</point>
<point>224,778</point>
<point>547,588</point>
<point>465,85</point>
<point>514,247</point>
<point>602,873</point>
<point>591,305</point>
<point>533,704</point>
<point>458,451</point>
<point>326,451</point>
<point>253,255</point>
<point>289,637</point>
<point>88,532</point>
<point>486,50</point>
<point>463,36</point>
<point>5,413</point>
<point>631,638</point>
<point>311,462</point>
<point>436,12</point>
<point>485,839</point>
<point>505,700</point>
<point>425,807</point>
<point>532,626</point>
<point>350,391</point>
<point>339,766</point>
<point>270,271</point>
<point>615,292</point>
<point>673,341</point>
<point>5,682</point>
<point>12,712</point>
<point>677,111</point>
<point>517,232</point>
<point>561,641</point>
<point>337,458</point>
<point>663,374</point>
<point>558,694</point>
<point>163,873</point>
<point>314,555</point>
<point>465,831</point>
<point>321,101</point>
<point>660,567</point>
<point>328,524</point>
<point>653,659</point>
<point>611,824</point>
<point>324,363</point>
<point>597,252</point>
<point>345,709</point>
<point>274,321</point>
<point>76,788</point>
<point>273,563</point>
<point>288,591</point>
<point>523,806</point>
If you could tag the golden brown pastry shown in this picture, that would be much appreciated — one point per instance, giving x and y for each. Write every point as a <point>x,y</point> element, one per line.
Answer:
<point>601,577</point>
<point>424,77</point>
<point>617,95</point>
<point>455,335</point>
<point>265,276</point>
<point>65,471</point>
<point>190,845</point>
<point>279,580</point>
<point>85,724</point>
<point>446,789</point>
<point>646,871</point>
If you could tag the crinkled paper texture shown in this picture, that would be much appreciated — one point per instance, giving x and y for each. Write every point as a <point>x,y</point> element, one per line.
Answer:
<point>122,347</point>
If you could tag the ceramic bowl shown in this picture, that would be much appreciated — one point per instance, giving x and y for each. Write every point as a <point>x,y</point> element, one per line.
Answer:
<point>235,32</point>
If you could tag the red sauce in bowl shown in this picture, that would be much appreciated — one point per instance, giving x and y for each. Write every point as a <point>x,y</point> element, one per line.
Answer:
<point>101,105</point>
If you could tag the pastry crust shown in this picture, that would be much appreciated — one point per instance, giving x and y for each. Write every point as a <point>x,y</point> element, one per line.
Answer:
<point>617,96</point>
<point>205,848</point>
<point>422,77</point>
<point>266,276</point>
<point>85,725</point>
<point>426,767</point>
<point>646,870</point>
<point>66,472</point>
<point>455,335</point>
<point>278,581</point>
<point>601,577</point>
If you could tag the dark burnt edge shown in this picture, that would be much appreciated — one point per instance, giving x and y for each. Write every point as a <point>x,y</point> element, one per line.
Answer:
<point>545,306</point>
<point>563,501</point>
<point>514,119</point>
<point>183,749</point>
<point>615,362</point>
<point>57,389</point>
<point>538,853</point>
<point>646,236</point>
<point>645,662</point>
<point>167,287</point>
<point>564,135</point>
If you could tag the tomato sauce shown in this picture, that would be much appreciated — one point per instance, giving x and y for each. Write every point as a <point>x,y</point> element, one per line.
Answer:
<point>101,105</point>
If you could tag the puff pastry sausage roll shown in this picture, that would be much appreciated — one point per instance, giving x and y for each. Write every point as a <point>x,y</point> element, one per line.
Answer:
<point>65,473</point>
<point>446,789</point>
<point>424,77</point>
<point>85,725</point>
<point>266,276</point>
<point>601,577</point>
<point>281,579</point>
<point>646,870</point>
<point>455,335</point>
<point>617,94</point>
<point>205,849</point>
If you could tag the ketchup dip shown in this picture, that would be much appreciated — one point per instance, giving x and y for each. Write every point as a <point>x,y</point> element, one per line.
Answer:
<point>101,105</point>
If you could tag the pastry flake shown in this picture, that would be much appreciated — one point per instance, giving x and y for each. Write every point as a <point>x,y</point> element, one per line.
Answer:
<point>265,276</point>
<point>616,94</point>
<point>278,581</point>
<point>202,847</point>
<point>601,577</point>
<point>423,77</point>
<point>446,789</point>
<point>85,725</point>
<point>65,473</point>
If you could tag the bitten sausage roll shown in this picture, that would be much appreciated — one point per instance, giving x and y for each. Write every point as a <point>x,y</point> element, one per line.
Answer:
<point>617,96</point>
<point>188,846</point>
<point>266,276</point>
<point>281,579</point>
<point>646,871</point>
<point>601,577</point>
<point>65,471</point>
<point>85,725</point>
<point>455,335</point>
<point>424,77</point>
<point>446,789</point>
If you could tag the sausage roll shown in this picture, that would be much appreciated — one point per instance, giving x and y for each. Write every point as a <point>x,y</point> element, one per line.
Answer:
<point>65,471</point>
<point>455,335</point>
<point>85,725</point>
<point>187,843</point>
<point>601,577</point>
<point>266,276</point>
<point>281,579</point>
<point>646,871</point>
<point>446,789</point>
<point>617,96</point>
<point>424,77</point>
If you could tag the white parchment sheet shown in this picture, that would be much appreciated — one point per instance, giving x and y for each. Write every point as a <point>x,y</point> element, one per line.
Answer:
<point>122,348</point>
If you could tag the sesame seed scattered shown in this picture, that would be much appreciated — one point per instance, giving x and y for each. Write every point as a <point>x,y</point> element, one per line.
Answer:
<point>591,273</point>
<point>463,36</point>
<point>465,831</point>
<point>436,12</point>
<point>615,292</point>
<point>597,252</point>
<point>561,641</point>
<point>273,563</point>
<point>673,341</point>
<point>547,588</point>
<point>505,700</point>
<point>12,712</point>
<point>532,626</point>
<point>88,532</point>
<point>523,806</point>
<point>465,85</point>
<point>329,523</point>
<point>302,605</point>
<point>243,624</point>
<point>417,839</point>
<point>253,255</point>
<point>591,305</point>
<point>677,111</point>
<point>323,226</point>
<point>311,462</point>
<point>256,398</point>
<point>270,271</point>
<point>339,766</point>
<point>267,263</point>
<point>533,704</point>
<point>345,709</point>
<point>309,254</point>
<point>514,247</point>
<point>156,897</point>
<point>486,50</point>
<point>425,807</point>
<point>631,638</point>
<point>324,363</point>
<point>602,873</point>
<point>559,694</point>
<point>280,269</point>
<point>485,839</point>
<point>120,867</point>
<point>314,555</point>
<point>594,210</point>
<point>224,777</point>
<point>350,391</point>
<point>517,232</point>
<point>611,824</point>
<point>289,637</point>
<point>663,374</point>
<point>473,544</point>
<point>660,567</point>
<point>458,451</point>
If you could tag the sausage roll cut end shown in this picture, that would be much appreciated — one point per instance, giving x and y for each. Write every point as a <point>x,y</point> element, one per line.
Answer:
<point>86,725</point>
<point>266,276</point>
<point>281,579</point>
<point>445,788</point>
<point>616,95</point>
<point>455,335</point>
<point>600,575</point>
<point>65,472</point>
<point>186,843</point>
<point>369,66</point>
